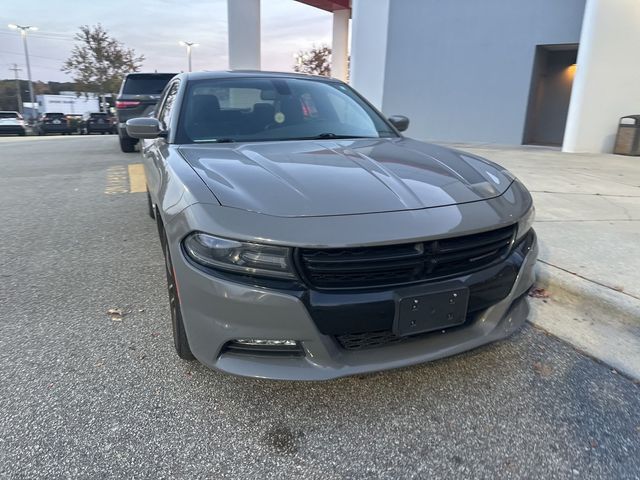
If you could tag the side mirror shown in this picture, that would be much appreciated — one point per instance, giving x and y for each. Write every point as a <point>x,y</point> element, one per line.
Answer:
<point>399,121</point>
<point>144,127</point>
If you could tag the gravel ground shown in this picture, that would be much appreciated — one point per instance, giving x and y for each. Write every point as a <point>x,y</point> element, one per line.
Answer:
<point>84,396</point>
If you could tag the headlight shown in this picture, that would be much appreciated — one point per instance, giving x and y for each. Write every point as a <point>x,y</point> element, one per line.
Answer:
<point>239,257</point>
<point>525,223</point>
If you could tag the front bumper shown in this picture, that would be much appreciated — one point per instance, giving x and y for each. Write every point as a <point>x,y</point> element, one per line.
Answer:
<point>55,128</point>
<point>217,311</point>
<point>100,127</point>
<point>12,130</point>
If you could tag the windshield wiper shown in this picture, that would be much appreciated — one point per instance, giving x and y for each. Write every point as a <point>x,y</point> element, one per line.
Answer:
<point>333,135</point>
<point>216,140</point>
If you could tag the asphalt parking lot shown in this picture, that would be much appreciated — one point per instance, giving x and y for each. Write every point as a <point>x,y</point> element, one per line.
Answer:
<point>84,396</point>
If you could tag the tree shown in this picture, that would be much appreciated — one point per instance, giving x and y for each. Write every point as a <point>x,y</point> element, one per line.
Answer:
<point>98,62</point>
<point>316,61</point>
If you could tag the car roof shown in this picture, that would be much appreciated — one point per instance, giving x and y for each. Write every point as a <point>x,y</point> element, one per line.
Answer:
<point>9,111</point>
<point>208,75</point>
<point>150,74</point>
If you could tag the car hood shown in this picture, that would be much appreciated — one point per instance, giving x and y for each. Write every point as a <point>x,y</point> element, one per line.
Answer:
<point>343,177</point>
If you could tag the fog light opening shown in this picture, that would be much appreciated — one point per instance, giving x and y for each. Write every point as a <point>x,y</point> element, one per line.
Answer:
<point>259,346</point>
<point>266,343</point>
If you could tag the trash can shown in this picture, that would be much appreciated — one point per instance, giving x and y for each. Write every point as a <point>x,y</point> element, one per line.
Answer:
<point>628,137</point>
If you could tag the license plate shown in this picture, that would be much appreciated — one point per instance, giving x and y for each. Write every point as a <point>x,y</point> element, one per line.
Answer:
<point>431,311</point>
<point>57,122</point>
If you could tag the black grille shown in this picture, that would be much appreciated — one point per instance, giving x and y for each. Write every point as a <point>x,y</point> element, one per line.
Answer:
<point>360,341</point>
<point>363,341</point>
<point>405,263</point>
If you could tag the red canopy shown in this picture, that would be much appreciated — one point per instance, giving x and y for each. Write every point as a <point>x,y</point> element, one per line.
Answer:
<point>328,5</point>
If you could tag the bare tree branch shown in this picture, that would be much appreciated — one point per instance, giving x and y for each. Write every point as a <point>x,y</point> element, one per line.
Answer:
<point>98,62</point>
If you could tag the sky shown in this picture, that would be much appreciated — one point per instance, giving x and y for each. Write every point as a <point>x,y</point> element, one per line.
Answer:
<point>154,28</point>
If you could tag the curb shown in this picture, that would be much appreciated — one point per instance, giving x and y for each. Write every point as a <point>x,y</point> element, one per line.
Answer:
<point>595,319</point>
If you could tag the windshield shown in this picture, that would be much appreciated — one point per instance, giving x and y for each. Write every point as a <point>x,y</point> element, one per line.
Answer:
<point>9,115</point>
<point>272,109</point>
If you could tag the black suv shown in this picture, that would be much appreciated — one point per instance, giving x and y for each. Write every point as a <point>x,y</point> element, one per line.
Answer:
<point>53,122</point>
<point>95,122</point>
<point>138,96</point>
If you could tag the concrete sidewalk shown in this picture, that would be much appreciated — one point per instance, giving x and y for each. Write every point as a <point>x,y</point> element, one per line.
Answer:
<point>588,224</point>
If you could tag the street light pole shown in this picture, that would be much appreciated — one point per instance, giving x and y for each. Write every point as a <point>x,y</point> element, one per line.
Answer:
<point>189,45</point>
<point>15,70</point>
<point>23,32</point>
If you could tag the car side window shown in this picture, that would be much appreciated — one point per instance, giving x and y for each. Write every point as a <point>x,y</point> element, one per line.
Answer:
<point>165,111</point>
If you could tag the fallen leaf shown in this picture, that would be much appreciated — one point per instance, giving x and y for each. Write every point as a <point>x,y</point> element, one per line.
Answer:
<point>189,373</point>
<point>539,292</point>
<point>117,314</point>
<point>141,310</point>
<point>593,443</point>
<point>618,288</point>
<point>155,334</point>
<point>543,369</point>
<point>99,364</point>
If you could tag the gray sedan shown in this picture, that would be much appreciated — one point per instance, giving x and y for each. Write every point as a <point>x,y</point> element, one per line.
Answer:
<point>306,238</point>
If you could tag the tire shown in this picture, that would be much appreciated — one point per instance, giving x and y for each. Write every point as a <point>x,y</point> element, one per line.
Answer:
<point>152,212</point>
<point>127,145</point>
<point>180,341</point>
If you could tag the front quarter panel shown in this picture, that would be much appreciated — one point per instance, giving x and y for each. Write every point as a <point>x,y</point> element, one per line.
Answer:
<point>173,184</point>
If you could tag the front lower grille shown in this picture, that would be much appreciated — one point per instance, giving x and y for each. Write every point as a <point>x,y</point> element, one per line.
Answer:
<point>366,340</point>
<point>360,341</point>
<point>405,263</point>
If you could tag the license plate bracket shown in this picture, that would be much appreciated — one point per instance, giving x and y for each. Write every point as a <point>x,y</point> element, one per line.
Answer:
<point>430,311</point>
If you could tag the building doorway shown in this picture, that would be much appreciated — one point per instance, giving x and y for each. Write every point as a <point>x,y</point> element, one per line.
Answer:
<point>552,78</point>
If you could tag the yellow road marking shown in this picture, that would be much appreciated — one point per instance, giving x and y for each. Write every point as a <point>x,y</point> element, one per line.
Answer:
<point>137,180</point>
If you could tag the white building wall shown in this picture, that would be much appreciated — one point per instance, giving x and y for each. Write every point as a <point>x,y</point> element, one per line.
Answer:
<point>460,70</point>
<point>607,81</point>
<point>244,34</point>
<point>369,28</point>
<point>340,45</point>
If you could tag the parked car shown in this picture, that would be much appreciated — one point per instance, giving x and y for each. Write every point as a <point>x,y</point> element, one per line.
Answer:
<point>138,96</point>
<point>306,238</point>
<point>12,123</point>
<point>74,120</point>
<point>96,122</point>
<point>53,122</point>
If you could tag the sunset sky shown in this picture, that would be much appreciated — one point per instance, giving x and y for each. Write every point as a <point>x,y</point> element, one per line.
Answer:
<point>154,28</point>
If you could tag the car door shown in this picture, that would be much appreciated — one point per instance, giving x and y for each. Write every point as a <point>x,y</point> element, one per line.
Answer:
<point>155,150</point>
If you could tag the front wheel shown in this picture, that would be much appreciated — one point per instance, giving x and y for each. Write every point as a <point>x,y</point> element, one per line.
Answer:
<point>180,341</point>
<point>127,145</point>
